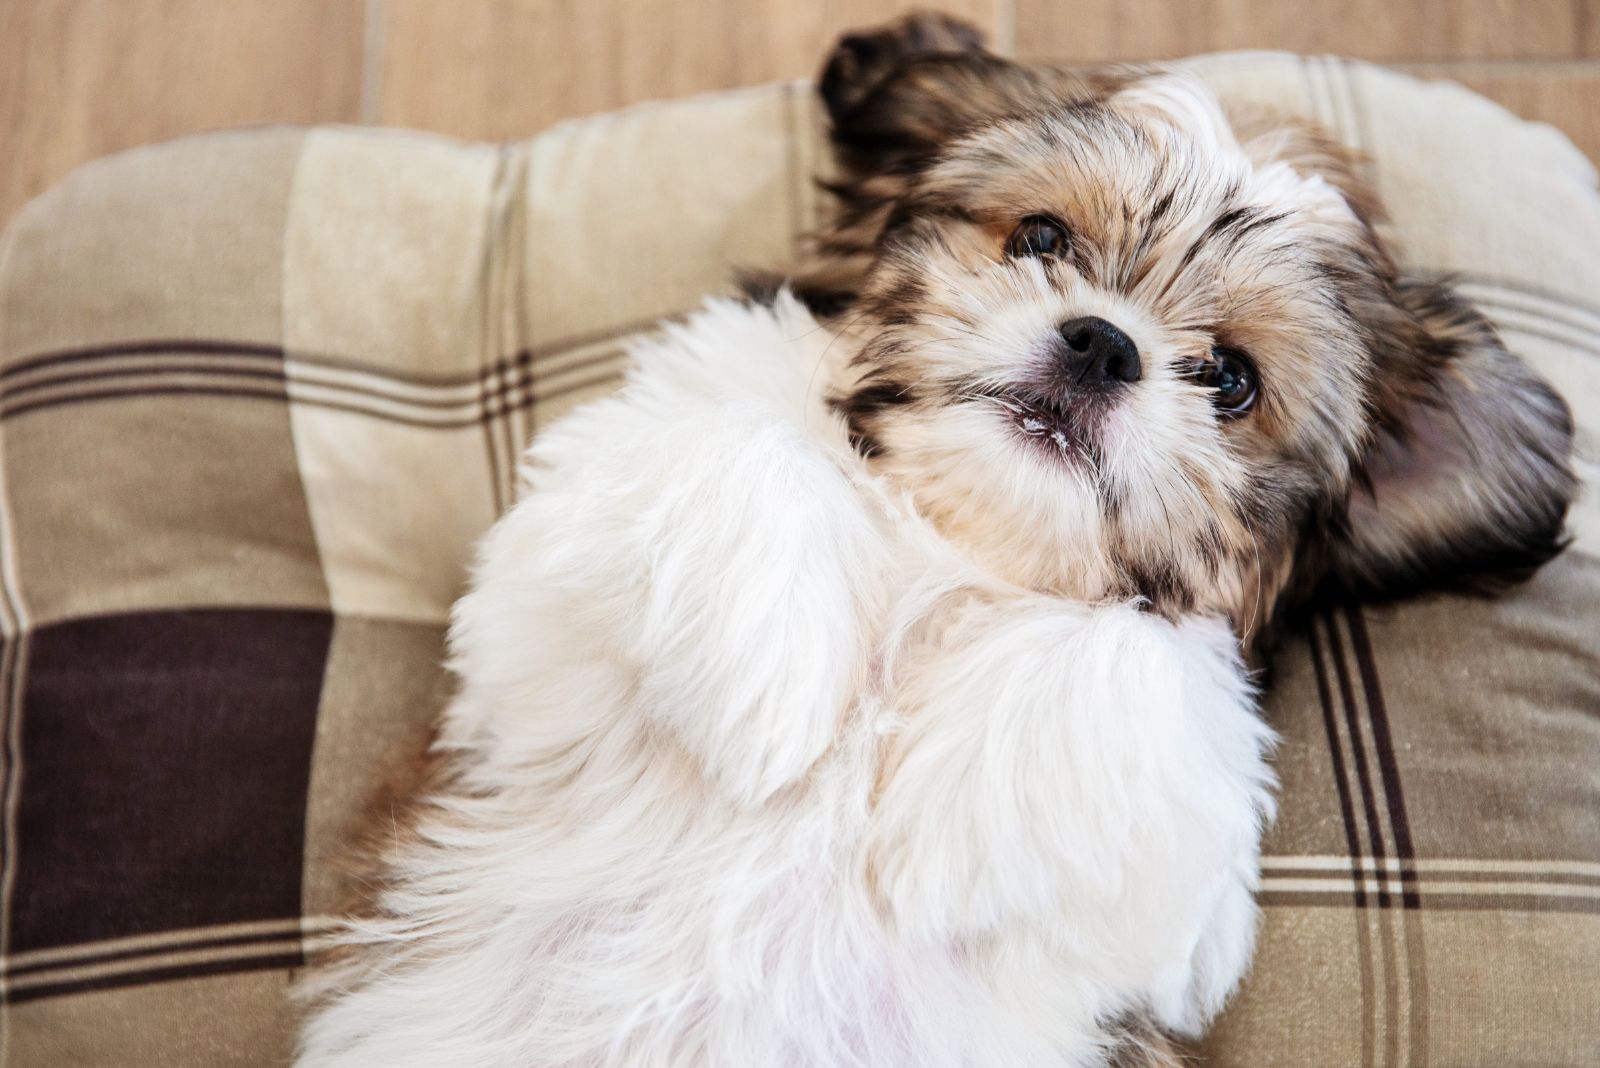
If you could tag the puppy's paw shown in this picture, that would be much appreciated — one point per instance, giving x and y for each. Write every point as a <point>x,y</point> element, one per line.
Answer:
<point>1193,994</point>
<point>862,61</point>
<point>1039,784</point>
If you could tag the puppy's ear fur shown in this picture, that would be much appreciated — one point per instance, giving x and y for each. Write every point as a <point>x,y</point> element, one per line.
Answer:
<point>895,96</point>
<point>1466,481</point>
<point>862,61</point>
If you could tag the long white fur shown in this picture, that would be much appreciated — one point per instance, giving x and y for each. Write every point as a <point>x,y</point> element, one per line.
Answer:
<point>756,769</point>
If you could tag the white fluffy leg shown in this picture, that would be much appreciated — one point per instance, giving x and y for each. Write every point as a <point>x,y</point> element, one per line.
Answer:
<point>1091,778</point>
<point>695,552</point>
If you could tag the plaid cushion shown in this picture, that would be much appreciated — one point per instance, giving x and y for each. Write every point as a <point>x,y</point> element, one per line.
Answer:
<point>260,391</point>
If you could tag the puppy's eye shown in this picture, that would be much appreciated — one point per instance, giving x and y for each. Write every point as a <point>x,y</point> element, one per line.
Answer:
<point>1233,376</point>
<point>1039,235</point>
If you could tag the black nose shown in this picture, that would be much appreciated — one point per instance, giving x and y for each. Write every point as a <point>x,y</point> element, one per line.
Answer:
<point>1098,353</point>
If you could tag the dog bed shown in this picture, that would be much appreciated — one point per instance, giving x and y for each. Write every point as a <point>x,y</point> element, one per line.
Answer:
<point>261,390</point>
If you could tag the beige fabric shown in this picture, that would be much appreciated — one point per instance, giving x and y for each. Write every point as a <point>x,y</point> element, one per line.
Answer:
<point>260,391</point>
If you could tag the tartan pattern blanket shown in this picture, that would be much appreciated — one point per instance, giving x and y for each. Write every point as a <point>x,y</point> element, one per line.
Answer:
<point>261,390</point>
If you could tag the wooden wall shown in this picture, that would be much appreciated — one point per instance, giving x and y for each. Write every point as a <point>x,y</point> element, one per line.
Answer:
<point>81,78</point>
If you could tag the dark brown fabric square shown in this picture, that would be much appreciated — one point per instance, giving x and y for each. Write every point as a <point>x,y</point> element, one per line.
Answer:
<point>166,757</point>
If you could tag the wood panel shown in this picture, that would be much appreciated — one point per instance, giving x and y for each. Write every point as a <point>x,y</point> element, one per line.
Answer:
<point>83,78</point>
<point>502,69</point>
<point>1391,30</point>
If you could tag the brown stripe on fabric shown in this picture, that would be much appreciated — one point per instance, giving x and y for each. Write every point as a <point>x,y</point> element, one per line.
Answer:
<point>216,358</point>
<point>1352,844</point>
<point>240,349</point>
<point>1282,899</point>
<point>1358,754</point>
<point>491,449</point>
<point>1400,827</point>
<point>1564,316</point>
<point>523,402</point>
<point>158,391</point>
<point>1545,328</point>
<point>496,428</point>
<point>1335,885</point>
<point>482,417</point>
<point>159,950</point>
<point>1436,902</point>
<point>87,973</point>
<point>1519,285</point>
<point>1389,944</point>
<point>1510,903</point>
<point>271,374</point>
<point>1543,331</point>
<point>172,939</point>
<point>1507,326</point>
<point>511,388</point>
<point>295,371</point>
<point>1424,876</point>
<point>1341,780</point>
<point>515,399</point>
<point>512,293</point>
<point>254,350</point>
<point>270,962</point>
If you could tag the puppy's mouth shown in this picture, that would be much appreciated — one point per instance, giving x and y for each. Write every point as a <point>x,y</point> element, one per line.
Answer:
<point>1063,426</point>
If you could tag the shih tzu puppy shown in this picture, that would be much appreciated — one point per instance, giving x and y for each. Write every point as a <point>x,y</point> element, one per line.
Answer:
<point>866,683</point>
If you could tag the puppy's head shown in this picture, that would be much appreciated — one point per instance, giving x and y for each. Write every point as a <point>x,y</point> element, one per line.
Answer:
<point>1118,342</point>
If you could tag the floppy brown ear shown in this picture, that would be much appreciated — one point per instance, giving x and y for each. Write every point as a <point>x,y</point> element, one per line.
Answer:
<point>892,100</point>
<point>863,60</point>
<point>1467,479</point>
<point>895,95</point>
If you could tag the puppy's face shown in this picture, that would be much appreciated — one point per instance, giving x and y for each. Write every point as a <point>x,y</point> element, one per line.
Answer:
<point>1117,346</point>
<point>1098,346</point>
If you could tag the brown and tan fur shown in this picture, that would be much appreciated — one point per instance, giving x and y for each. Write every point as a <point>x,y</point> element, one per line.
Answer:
<point>941,148</point>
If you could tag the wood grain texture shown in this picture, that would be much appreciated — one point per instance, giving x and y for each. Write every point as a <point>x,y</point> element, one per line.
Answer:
<point>503,69</point>
<point>83,78</point>
<point>1390,30</point>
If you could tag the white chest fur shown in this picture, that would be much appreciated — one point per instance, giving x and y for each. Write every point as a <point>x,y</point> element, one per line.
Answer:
<point>756,770</point>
